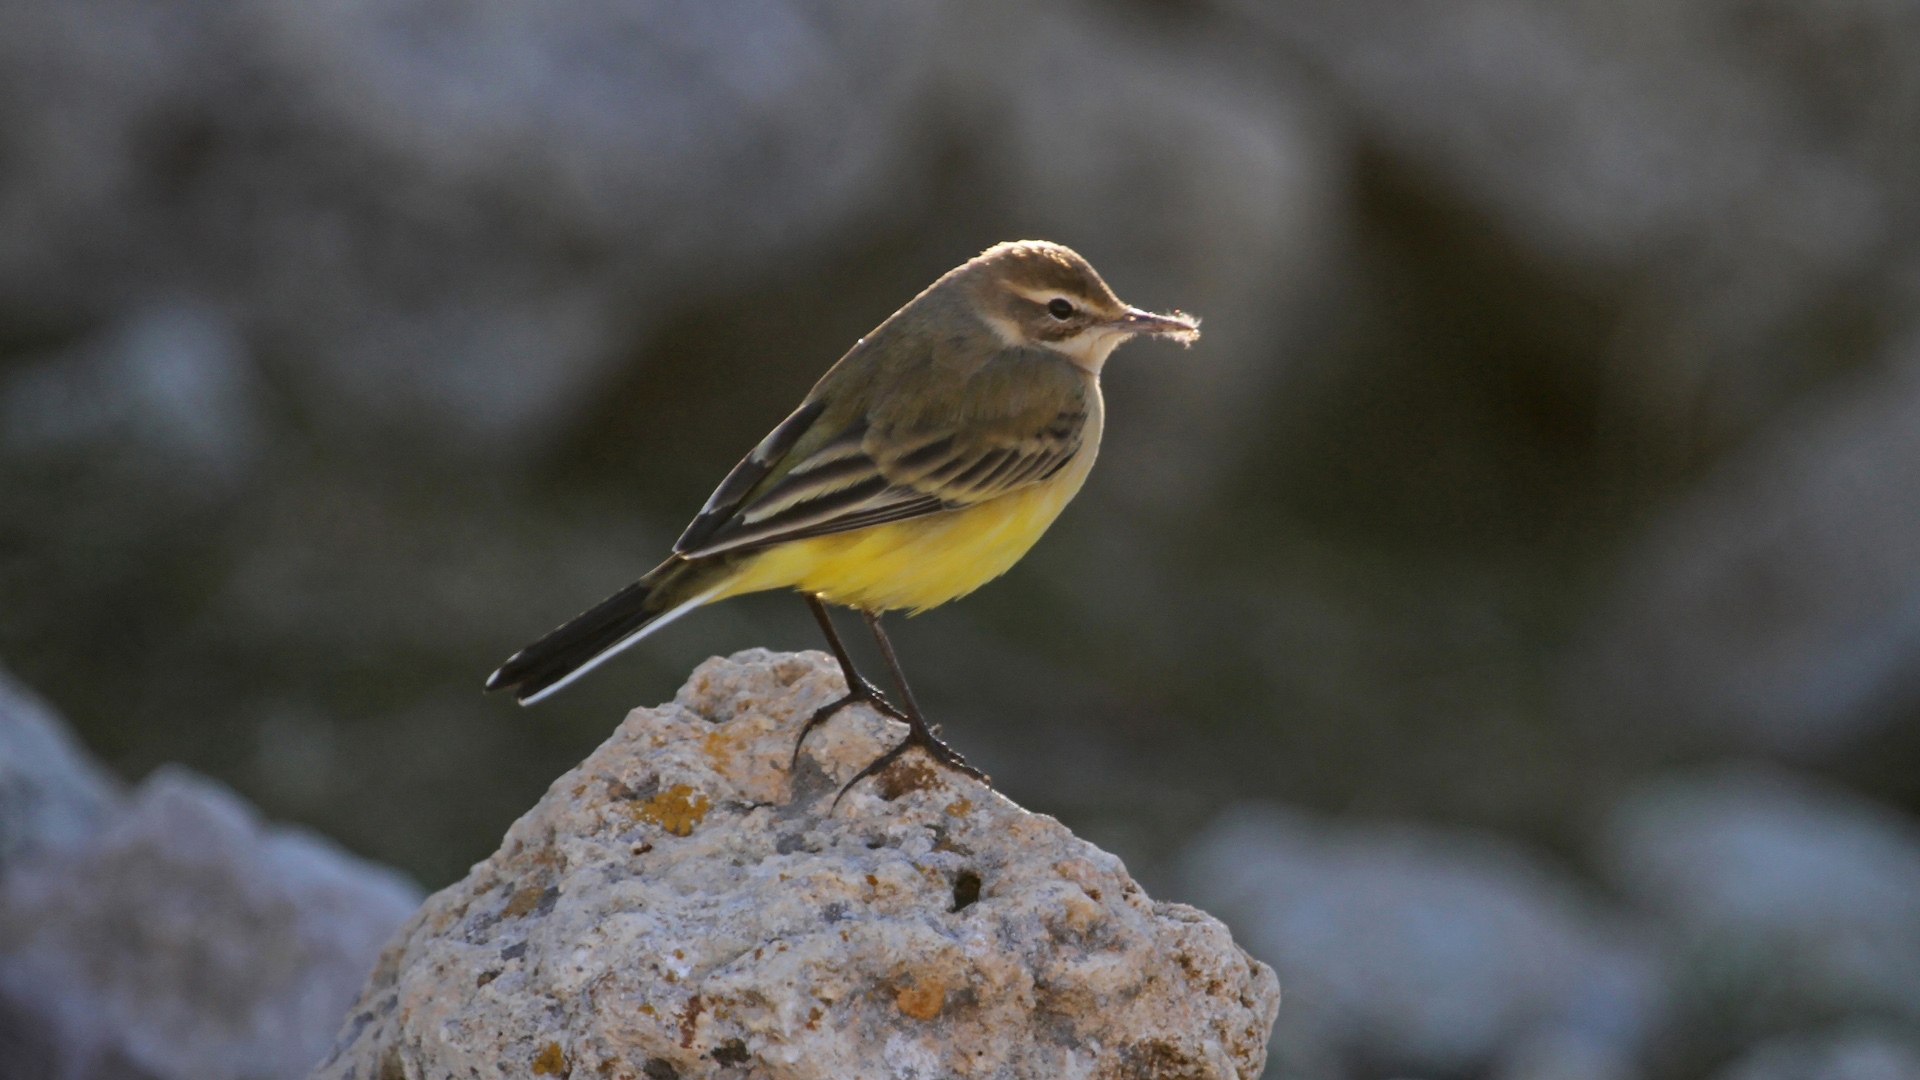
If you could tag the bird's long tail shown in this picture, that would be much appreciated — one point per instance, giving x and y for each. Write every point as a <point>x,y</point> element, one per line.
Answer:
<point>589,639</point>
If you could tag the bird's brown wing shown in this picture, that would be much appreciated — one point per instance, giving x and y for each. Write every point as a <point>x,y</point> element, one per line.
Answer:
<point>992,434</point>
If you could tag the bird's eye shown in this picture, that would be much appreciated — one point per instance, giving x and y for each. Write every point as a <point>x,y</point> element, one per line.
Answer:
<point>1059,308</point>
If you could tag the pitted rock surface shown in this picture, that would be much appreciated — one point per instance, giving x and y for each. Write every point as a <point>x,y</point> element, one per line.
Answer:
<point>682,905</point>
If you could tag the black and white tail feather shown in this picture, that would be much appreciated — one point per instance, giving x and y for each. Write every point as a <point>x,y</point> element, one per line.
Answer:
<point>685,581</point>
<point>591,638</point>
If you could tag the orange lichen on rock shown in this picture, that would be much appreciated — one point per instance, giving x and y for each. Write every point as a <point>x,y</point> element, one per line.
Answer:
<point>922,1002</point>
<point>550,1061</point>
<point>523,901</point>
<point>677,810</point>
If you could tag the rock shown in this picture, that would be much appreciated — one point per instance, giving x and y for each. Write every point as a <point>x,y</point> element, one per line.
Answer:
<point>1775,608</point>
<point>1708,205</point>
<point>1424,950</point>
<point>647,148</point>
<point>681,904</point>
<point>461,218</point>
<point>170,388</point>
<point>52,795</point>
<point>1791,902</point>
<point>1842,1055</point>
<point>185,939</point>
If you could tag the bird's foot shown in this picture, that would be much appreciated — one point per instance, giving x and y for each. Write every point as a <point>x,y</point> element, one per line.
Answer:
<point>920,735</point>
<point>859,691</point>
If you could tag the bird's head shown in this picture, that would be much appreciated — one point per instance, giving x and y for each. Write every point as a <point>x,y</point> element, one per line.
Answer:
<point>1035,293</point>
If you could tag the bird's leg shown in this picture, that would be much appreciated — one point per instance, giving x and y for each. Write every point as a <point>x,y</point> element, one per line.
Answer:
<point>858,689</point>
<point>918,733</point>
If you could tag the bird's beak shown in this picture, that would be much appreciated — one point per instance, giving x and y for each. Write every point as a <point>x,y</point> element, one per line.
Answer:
<point>1179,326</point>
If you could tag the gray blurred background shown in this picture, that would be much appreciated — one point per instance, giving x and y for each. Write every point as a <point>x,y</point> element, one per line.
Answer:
<point>1506,617</point>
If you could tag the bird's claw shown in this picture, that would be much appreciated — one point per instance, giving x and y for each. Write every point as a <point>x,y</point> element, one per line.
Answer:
<point>927,739</point>
<point>860,692</point>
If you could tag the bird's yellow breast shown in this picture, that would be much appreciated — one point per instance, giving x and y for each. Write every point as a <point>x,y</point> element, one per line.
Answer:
<point>922,562</point>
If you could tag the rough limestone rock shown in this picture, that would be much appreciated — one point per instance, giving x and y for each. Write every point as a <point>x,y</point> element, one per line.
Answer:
<point>52,795</point>
<point>1816,516</point>
<point>1423,951</point>
<point>1859,1054</point>
<point>1793,901</point>
<point>682,905</point>
<point>185,939</point>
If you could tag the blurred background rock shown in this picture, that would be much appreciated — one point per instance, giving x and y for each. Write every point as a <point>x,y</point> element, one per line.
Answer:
<point>1552,449</point>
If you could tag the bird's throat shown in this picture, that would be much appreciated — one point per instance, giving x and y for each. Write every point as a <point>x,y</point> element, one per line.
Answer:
<point>1090,350</point>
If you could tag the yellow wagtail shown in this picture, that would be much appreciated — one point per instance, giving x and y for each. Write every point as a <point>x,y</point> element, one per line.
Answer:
<point>920,467</point>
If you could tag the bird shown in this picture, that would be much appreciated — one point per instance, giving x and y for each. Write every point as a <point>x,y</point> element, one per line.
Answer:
<point>922,465</point>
